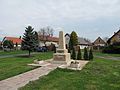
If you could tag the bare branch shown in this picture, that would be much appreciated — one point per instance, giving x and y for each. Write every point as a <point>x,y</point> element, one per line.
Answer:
<point>45,33</point>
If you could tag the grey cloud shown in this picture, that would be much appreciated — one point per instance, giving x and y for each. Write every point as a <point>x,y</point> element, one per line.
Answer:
<point>16,14</point>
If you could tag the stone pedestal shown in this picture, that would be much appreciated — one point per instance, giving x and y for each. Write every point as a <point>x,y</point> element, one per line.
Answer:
<point>62,56</point>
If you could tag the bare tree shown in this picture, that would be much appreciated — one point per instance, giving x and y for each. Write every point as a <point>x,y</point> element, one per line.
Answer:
<point>45,33</point>
<point>88,40</point>
<point>105,39</point>
<point>49,31</point>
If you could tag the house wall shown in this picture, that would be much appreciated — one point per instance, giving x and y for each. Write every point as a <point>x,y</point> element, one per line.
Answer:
<point>18,47</point>
<point>67,39</point>
<point>83,46</point>
<point>41,43</point>
<point>99,42</point>
<point>116,38</point>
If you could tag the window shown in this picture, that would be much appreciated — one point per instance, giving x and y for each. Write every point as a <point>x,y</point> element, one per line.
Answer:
<point>99,40</point>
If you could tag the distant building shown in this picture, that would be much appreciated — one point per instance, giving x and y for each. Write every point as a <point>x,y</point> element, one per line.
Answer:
<point>82,42</point>
<point>99,43</point>
<point>67,39</point>
<point>48,40</point>
<point>114,38</point>
<point>15,40</point>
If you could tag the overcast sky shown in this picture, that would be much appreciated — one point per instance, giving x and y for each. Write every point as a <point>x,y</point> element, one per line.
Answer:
<point>89,18</point>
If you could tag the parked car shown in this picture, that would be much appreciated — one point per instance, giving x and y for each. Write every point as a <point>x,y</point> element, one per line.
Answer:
<point>41,49</point>
<point>45,49</point>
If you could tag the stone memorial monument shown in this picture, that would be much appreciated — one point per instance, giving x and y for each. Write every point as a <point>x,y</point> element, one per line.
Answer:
<point>62,56</point>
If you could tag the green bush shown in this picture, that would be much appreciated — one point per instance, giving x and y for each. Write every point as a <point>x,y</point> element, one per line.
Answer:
<point>29,40</point>
<point>79,57</point>
<point>73,40</point>
<point>73,56</point>
<point>54,48</point>
<point>69,51</point>
<point>113,49</point>
<point>90,54</point>
<point>85,54</point>
<point>8,44</point>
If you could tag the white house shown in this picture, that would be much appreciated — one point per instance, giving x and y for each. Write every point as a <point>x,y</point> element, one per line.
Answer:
<point>15,41</point>
<point>81,41</point>
<point>48,41</point>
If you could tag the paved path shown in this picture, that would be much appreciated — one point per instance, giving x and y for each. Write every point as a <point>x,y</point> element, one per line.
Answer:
<point>109,57</point>
<point>21,80</point>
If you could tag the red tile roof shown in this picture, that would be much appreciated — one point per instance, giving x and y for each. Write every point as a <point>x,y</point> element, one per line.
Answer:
<point>50,39</point>
<point>53,39</point>
<point>14,40</point>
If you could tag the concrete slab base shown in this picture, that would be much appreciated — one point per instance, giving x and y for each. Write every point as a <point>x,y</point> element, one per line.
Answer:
<point>72,64</point>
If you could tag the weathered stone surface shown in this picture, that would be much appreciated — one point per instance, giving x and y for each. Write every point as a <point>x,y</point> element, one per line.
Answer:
<point>61,56</point>
<point>62,51</point>
<point>61,40</point>
<point>75,66</point>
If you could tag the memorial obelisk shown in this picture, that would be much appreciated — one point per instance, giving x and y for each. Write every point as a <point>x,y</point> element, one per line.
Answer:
<point>62,56</point>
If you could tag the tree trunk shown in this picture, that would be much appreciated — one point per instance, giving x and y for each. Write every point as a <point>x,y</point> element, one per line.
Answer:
<point>29,53</point>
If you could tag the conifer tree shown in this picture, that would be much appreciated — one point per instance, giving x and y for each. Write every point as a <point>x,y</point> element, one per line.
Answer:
<point>73,40</point>
<point>54,48</point>
<point>79,57</point>
<point>69,51</point>
<point>90,54</point>
<point>8,44</point>
<point>36,39</point>
<point>29,41</point>
<point>85,54</point>
<point>73,56</point>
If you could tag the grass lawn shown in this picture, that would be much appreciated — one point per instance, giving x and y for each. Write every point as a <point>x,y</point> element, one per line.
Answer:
<point>16,65</point>
<point>3,53</point>
<point>99,74</point>
<point>105,54</point>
